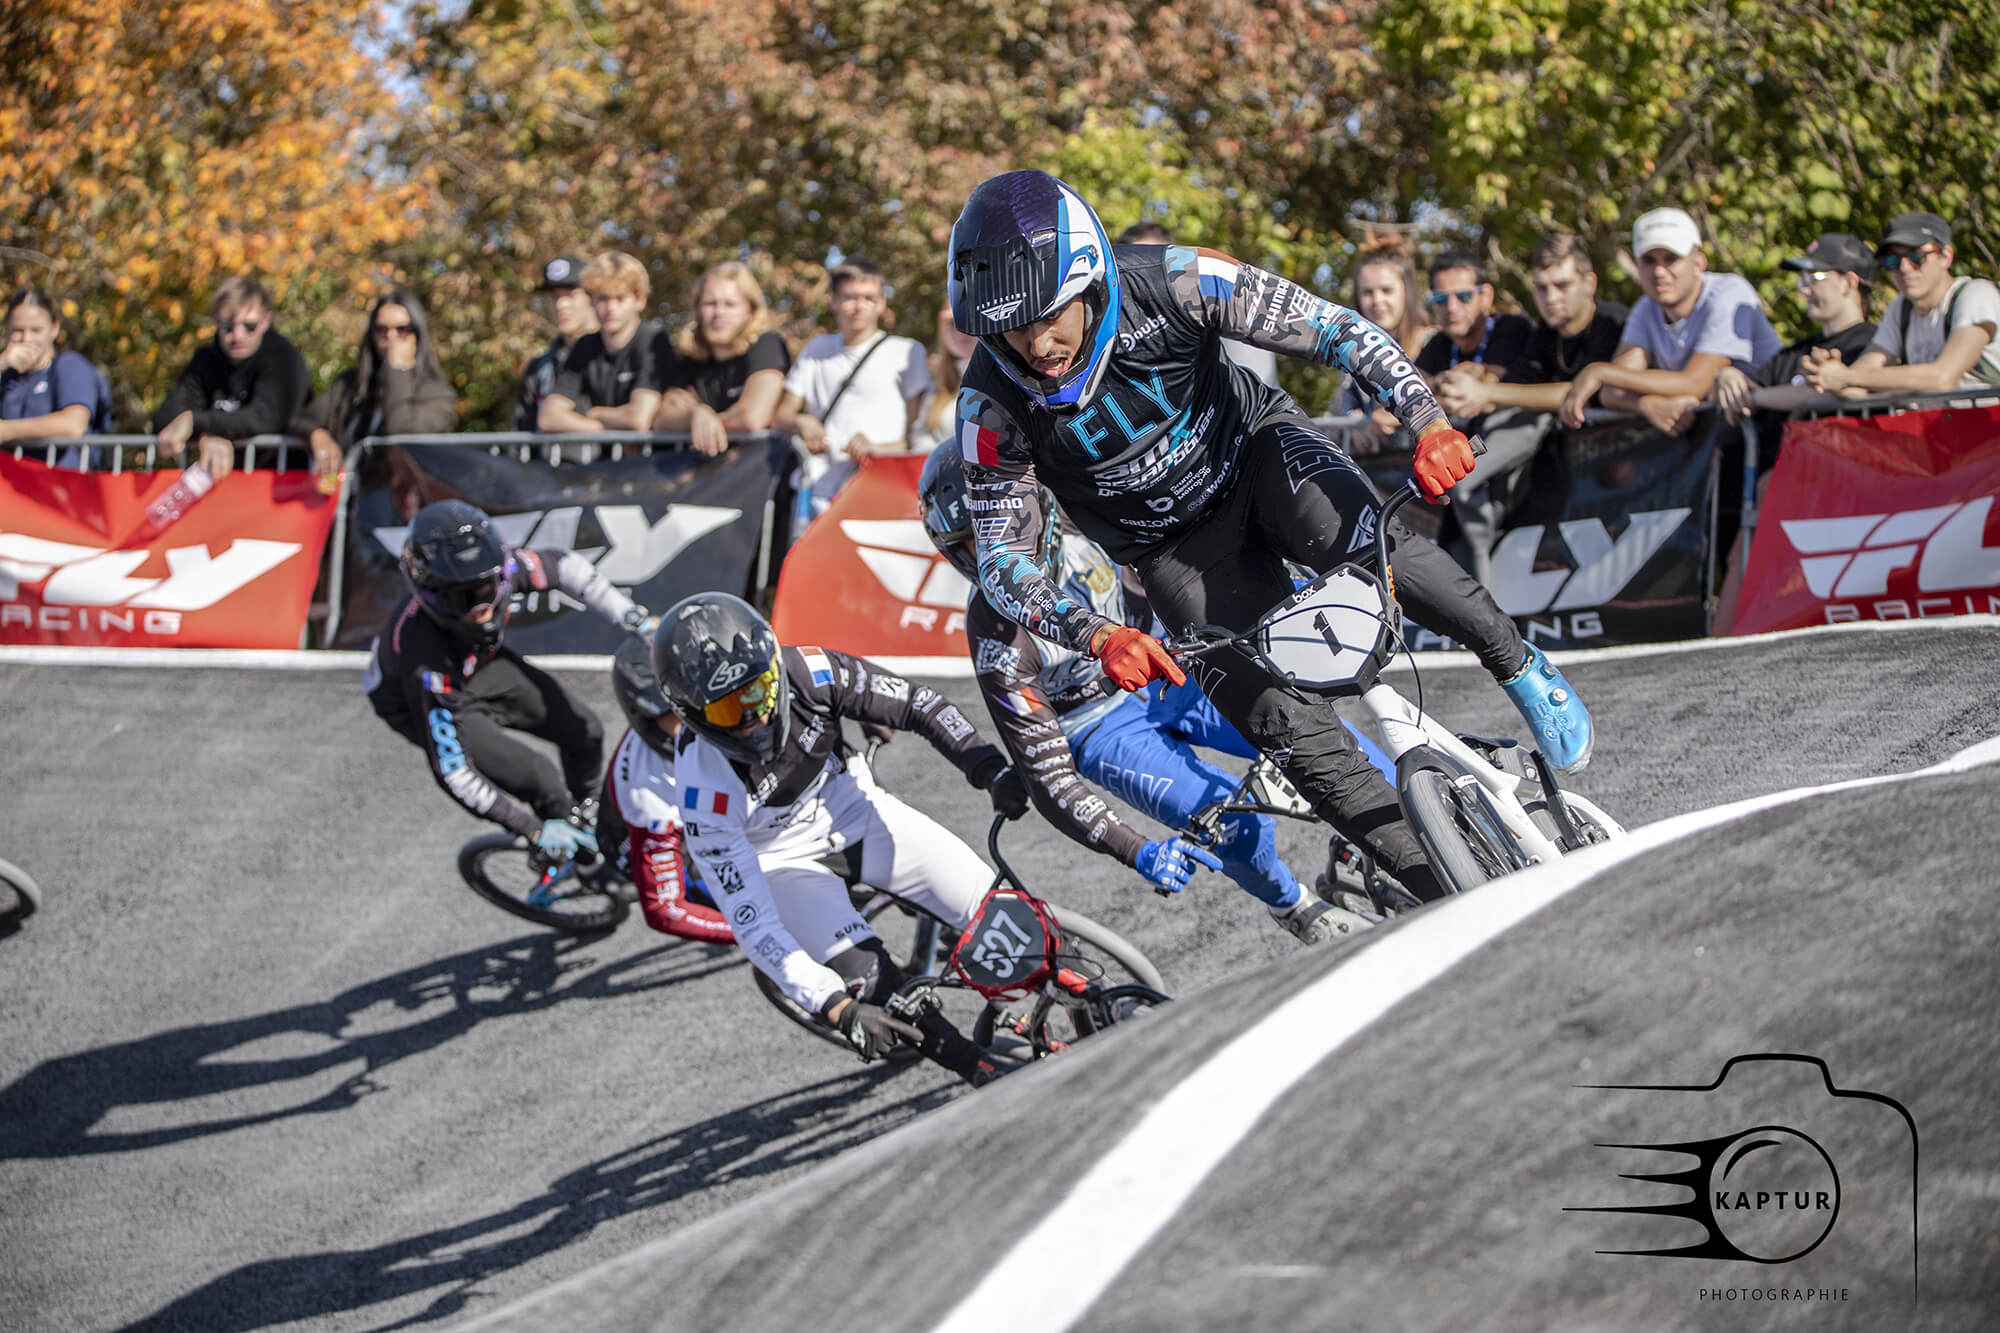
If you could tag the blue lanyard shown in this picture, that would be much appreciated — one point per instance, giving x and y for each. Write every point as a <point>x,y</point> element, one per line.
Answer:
<point>1480,355</point>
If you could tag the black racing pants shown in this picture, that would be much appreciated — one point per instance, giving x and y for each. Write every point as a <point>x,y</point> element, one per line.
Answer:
<point>509,694</point>
<point>1299,498</point>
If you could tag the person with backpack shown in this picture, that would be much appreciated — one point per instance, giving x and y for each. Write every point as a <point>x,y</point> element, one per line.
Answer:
<point>1939,332</point>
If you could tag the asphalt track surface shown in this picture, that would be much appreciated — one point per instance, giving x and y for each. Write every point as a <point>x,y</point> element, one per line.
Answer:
<point>268,1065</point>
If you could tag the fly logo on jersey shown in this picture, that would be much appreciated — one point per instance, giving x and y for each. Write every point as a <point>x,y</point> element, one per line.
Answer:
<point>718,802</point>
<point>636,547</point>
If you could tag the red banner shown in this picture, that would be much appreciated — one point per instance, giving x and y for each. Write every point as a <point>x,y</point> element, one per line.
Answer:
<point>80,563</point>
<point>1878,518</point>
<point>865,579</point>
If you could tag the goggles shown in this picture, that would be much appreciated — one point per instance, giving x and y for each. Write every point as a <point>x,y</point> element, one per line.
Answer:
<point>748,703</point>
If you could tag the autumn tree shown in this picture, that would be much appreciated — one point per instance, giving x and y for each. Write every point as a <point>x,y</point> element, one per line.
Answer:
<point>153,149</point>
<point>781,130</point>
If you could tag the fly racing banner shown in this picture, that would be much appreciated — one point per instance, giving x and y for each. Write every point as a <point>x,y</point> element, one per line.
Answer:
<point>1882,518</point>
<point>1612,542</point>
<point>659,527</point>
<point>136,559</point>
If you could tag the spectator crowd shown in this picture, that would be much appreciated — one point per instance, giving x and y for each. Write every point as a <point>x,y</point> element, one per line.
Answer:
<point>1694,339</point>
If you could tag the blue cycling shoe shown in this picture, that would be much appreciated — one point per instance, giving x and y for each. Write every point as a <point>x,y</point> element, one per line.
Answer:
<point>1560,721</point>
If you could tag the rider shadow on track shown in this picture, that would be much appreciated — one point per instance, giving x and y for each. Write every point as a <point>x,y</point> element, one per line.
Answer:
<point>781,1133</point>
<point>51,1110</point>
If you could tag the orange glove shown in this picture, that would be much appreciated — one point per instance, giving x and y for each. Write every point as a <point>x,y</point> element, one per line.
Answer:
<point>1444,458</point>
<point>1133,658</point>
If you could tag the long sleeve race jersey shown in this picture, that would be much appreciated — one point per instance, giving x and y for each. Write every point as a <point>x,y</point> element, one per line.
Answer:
<point>1041,694</point>
<point>1159,444</point>
<point>803,807</point>
<point>641,786</point>
<point>417,674</point>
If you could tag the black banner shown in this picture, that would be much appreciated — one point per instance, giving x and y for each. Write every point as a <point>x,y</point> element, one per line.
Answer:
<point>659,527</point>
<point>1612,543</point>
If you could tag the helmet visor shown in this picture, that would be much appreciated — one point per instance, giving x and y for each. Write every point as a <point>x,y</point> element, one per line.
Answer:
<point>476,601</point>
<point>746,706</point>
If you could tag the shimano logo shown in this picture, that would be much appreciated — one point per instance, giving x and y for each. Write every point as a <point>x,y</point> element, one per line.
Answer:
<point>997,310</point>
<point>1854,557</point>
<point>1005,502</point>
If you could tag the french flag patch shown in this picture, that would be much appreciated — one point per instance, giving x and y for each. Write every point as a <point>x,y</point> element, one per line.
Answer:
<point>1216,273</point>
<point>822,670</point>
<point>718,802</point>
<point>978,444</point>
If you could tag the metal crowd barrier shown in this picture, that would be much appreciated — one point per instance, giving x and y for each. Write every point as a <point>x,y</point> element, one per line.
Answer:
<point>109,453</point>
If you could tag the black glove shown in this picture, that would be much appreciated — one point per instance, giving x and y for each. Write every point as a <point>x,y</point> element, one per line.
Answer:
<point>1009,793</point>
<point>869,1029</point>
<point>992,774</point>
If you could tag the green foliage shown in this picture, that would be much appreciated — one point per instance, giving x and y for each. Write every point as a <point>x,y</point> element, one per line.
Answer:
<point>1770,121</point>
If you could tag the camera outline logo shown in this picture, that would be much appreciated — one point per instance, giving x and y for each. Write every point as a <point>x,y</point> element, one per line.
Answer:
<point>1768,1193</point>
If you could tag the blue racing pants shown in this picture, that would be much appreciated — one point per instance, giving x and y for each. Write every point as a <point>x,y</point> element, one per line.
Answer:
<point>1129,755</point>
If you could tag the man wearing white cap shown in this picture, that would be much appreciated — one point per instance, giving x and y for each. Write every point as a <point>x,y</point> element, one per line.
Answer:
<point>1688,326</point>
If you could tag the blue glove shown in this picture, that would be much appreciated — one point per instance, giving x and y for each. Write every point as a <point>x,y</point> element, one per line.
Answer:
<point>1169,862</point>
<point>561,840</point>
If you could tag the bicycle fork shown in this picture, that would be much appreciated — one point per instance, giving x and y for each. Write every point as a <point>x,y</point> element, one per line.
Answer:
<point>1415,741</point>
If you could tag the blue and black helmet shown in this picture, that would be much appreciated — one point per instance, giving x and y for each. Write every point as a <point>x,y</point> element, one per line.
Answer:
<point>1026,246</point>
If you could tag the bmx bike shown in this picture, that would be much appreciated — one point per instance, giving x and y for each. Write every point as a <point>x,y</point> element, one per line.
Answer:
<point>1024,979</point>
<point>575,897</point>
<point>1482,807</point>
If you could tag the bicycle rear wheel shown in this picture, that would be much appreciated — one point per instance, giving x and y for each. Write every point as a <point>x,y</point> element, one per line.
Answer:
<point>1466,845</point>
<point>20,897</point>
<point>575,900</point>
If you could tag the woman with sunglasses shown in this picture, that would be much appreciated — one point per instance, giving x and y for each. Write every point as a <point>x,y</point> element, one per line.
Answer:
<point>440,676</point>
<point>395,387</point>
<point>249,381</point>
<point>781,816</point>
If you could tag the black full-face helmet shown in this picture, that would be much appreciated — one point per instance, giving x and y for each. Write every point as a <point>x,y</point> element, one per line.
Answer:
<point>948,517</point>
<point>456,566</point>
<point>640,697</point>
<point>717,660</point>
<point>1025,247</point>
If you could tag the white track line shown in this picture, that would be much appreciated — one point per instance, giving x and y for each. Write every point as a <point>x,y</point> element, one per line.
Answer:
<point>936,667</point>
<point>1057,1271</point>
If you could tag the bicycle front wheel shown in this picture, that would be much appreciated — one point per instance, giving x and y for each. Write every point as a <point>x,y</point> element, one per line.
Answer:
<point>499,868</point>
<point>1122,983</point>
<point>20,897</point>
<point>1466,845</point>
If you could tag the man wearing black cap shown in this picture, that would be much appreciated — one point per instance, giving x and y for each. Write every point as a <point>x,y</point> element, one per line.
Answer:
<point>1833,277</point>
<point>1834,274</point>
<point>568,305</point>
<point>1938,333</point>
